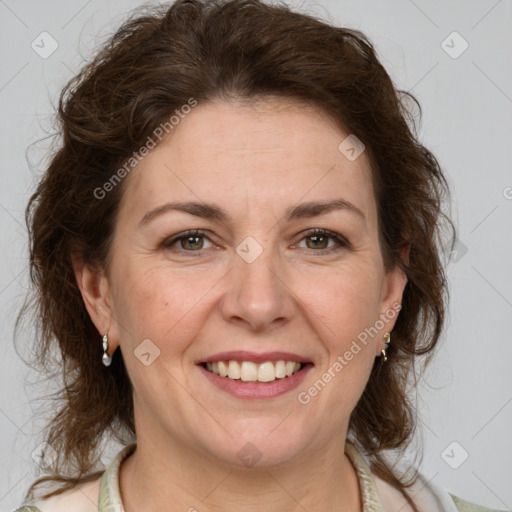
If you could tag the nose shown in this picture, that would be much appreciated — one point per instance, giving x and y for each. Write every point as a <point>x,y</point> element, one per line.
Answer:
<point>257,295</point>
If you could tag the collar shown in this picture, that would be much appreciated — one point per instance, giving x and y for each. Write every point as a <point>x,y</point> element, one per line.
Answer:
<point>109,499</point>
<point>103,494</point>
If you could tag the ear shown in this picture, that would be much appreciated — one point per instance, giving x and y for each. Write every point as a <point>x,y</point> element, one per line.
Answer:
<point>395,281</point>
<point>96,294</point>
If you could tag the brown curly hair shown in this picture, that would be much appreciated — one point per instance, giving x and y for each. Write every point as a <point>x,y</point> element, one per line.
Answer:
<point>232,49</point>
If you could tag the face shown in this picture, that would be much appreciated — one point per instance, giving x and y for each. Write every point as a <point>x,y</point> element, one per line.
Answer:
<point>278,259</point>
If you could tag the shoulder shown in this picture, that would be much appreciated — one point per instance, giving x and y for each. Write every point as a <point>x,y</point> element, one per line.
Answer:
<point>99,494</point>
<point>83,498</point>
<point>427,496</point>
<point>466,506</point>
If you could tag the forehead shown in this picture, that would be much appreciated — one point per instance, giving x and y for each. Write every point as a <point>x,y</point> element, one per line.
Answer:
<point>273,152</point>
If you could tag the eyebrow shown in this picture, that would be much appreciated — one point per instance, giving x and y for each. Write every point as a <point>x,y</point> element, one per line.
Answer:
<point>214,212</point>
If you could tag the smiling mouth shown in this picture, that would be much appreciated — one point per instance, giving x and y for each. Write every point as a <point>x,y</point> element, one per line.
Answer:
<point>247,371</point>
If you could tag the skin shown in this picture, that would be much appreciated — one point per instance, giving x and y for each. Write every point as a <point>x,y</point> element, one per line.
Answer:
<point>255,161</point>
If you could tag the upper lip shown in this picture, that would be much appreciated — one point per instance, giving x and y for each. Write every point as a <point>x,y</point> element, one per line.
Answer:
<point>243,355</point>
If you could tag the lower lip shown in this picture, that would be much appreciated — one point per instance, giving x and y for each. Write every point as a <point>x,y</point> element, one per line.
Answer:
<point>254,390</point>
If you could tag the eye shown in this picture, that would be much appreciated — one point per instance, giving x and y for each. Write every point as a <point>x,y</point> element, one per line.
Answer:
<point>319,240</point>
<point>189,241</point>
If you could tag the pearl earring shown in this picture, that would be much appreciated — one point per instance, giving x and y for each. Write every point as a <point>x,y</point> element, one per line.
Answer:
<point>387,340</point>
<point>106,359</point>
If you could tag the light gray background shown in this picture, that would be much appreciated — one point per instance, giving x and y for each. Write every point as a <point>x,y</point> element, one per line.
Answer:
<point>467,102</point>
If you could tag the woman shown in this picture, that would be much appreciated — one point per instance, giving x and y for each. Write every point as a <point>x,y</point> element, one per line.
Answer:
<point>236,252</point>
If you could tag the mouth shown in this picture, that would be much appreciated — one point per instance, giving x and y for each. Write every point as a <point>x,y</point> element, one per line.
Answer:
<point>249,371</point>
<point>249,375</point>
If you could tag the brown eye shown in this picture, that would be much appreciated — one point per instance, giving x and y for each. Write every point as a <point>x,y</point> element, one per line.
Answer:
<point>191,243</point>
<point>321,240</point>
<point>188,241</point>
<point>317,242</point>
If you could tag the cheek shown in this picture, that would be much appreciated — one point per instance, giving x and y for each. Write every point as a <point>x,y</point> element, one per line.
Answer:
<point>345,302</point>
<point>343,310</point>
<point>153,303</point>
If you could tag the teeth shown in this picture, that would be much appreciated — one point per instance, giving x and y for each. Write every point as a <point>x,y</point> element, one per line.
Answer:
<point>280,370</point>
<point>266,372</point>
<point>234,370</point>
<point>289,367</point>
<point>223,369</point>
<point>247,371</point>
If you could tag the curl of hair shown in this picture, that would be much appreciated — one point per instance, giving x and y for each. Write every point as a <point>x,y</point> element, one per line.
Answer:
<point>233,50</point>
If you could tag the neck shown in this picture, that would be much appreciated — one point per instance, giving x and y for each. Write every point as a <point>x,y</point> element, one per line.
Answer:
<point>153,478</point>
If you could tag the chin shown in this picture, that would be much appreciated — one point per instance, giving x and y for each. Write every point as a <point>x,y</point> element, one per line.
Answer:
<point>260,450</point>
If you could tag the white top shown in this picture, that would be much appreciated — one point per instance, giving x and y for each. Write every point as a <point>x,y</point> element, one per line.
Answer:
<point>103,494</point>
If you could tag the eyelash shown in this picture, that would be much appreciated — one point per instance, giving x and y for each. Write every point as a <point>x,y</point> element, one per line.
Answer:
<point>342,242</point>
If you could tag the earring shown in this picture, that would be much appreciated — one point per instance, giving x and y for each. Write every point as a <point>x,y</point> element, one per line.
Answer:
<point>387,340</point>
<point>106,359</point>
